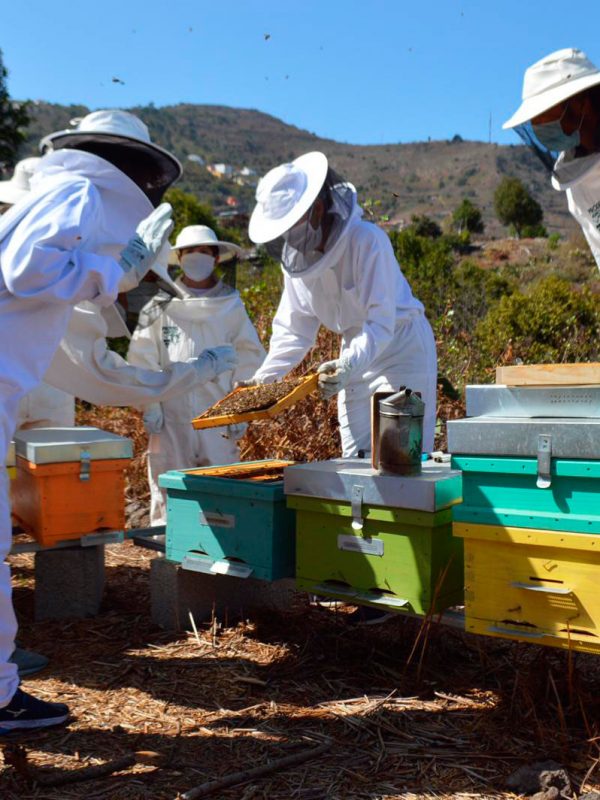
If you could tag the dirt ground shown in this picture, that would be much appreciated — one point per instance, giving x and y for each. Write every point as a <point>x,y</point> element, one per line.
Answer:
<point>408,713</point>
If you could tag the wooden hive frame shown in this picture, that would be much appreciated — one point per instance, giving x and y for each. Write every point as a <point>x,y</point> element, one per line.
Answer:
<point>260,471</point>
<point>304,388</point>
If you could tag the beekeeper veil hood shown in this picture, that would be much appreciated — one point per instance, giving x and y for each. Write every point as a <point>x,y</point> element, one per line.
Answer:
<point>303,209</point>
<point>551,81</point>
<point>124,140</point>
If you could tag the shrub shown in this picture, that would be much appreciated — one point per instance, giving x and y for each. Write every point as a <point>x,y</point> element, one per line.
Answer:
<point>553,241</point>
<point>552,322</point>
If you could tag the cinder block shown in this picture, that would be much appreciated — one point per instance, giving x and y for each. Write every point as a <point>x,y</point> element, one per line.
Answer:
<point>69,582</point>
<point>175,591</point>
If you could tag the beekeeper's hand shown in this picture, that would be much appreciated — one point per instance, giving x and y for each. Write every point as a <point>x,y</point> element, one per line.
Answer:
<point>215,360</point>
<point>143,249</point>
<point>254,381</point>
<point>153,418</point>
<point>333,377</point>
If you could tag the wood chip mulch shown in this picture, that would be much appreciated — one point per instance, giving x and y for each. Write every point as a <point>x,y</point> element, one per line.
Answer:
<point>449,720</point>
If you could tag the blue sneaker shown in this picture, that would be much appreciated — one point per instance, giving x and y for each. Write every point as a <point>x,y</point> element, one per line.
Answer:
<point>25,712</point>
<point>28,662</point>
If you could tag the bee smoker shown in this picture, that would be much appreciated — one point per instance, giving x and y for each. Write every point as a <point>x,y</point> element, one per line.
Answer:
<point>397,432</point>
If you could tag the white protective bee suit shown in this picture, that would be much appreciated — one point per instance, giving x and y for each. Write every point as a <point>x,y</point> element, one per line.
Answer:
<point>357,289</point>
<point>44,406</point>
<point>56,250</point>
<point>171,330</point>
<point>579,178</point>
<point>557,120</point>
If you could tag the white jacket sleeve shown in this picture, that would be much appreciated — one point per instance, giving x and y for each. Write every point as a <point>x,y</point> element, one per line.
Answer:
<point>248,348</point>
<point>376,274</point>
<point>85,367</point>
<point>44,258</point>
<point>295,329</point>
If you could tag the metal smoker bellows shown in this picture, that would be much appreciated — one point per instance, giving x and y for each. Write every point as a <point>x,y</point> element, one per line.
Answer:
<point>400,442</point>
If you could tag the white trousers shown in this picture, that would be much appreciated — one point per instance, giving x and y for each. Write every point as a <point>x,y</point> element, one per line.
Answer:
<point>179,446</point>
<point>411,361</point>
<point>9,680</point>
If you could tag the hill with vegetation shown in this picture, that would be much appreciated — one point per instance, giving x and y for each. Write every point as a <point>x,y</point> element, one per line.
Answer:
<point>395,181</point>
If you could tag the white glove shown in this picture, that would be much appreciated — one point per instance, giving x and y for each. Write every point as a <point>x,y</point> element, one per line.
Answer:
<point>333,377</point>
<point>253,381</point>
<point>153,418</point>
<point>215,360</point>
<point>143,249</point>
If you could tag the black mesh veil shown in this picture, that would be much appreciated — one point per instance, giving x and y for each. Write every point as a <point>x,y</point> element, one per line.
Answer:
<point>303,245</point>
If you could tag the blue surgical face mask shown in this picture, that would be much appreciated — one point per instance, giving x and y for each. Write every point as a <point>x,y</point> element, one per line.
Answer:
<point>552,136</point>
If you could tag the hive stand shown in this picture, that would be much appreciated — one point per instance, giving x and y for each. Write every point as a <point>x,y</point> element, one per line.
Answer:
<point>69,577</point>
<point>175,592</point>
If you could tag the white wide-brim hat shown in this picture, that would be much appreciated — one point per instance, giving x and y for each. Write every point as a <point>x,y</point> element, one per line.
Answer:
<point>551,81</point>
<point>116,127</point>
<point>198,235</point>
<point>285,194</point>
<point>19,185</point>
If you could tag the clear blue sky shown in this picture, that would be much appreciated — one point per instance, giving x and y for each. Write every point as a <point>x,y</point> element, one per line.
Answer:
<point>361,71</point>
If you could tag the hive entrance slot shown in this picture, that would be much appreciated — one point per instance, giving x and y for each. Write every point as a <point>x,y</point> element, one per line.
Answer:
<point>517,623</point>
<point>544,580</point>
<point>578,632</point>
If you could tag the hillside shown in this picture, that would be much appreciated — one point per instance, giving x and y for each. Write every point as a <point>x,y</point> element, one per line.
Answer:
<point>422,177</point>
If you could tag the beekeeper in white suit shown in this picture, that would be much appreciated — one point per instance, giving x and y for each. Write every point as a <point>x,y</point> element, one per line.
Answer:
<point>86,231</point>
<point>559,118</point>
<point>45,406</point>
<point>209,314</point>
<point>340,272</point>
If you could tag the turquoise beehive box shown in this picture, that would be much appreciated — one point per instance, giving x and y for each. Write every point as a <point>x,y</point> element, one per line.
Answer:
<point>539,473</point>
<point>505,491</point>
<point>233,523</point>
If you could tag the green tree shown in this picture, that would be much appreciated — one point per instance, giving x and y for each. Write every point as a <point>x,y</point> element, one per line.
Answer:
<point>188,210</point>
<point>515,206</point>
<point>14,117</point>
<point>428,266</point>
<point>467,217</point>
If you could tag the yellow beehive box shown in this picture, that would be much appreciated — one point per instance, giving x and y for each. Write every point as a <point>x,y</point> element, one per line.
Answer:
<point>532,585</point>
<point>10,461</point>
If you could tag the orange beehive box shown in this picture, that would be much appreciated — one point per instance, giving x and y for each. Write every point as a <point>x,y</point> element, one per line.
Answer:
<point>67,485</point>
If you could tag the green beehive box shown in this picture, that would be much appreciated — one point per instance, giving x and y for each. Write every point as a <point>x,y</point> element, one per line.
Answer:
<point>503,490</point>
<point>229,525</point>
<point>400,556</point>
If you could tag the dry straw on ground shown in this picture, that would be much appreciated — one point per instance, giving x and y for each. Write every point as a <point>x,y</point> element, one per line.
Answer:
<point>452,723</point>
